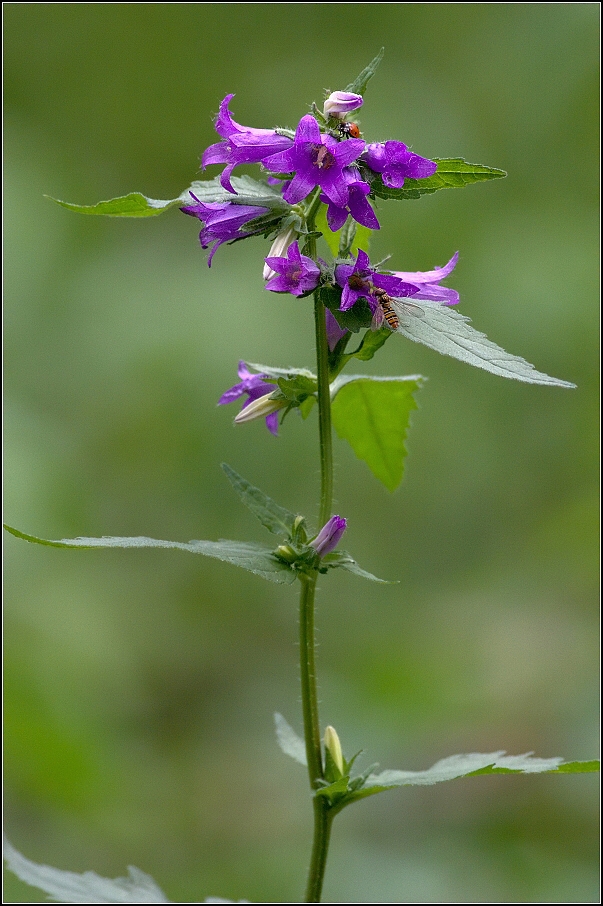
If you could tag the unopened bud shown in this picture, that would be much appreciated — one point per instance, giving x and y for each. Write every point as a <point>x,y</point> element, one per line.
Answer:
<point>333,747</point>
<point>329,536</point>
<point>278,249</point>
<point>259,408</point>
<point>339,103</point>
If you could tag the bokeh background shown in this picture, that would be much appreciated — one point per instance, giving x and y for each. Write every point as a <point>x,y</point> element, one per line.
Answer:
<point>140,686</point>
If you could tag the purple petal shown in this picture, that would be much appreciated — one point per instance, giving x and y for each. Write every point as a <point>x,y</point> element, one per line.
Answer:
<point>349,151</point>
<point>307,130</point>
<point>433,276</point>
<point>300,186</point>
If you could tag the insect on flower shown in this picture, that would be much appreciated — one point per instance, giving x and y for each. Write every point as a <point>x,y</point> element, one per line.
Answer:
<point>350,130</point>
<point>390,310</point>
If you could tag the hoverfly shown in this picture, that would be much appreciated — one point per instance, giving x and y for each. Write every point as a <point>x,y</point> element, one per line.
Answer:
<point>390,310</point>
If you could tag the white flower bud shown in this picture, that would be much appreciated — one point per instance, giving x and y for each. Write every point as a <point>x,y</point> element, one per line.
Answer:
<point>333,746</point>
<point>278,249</point>
<point>259,408</point>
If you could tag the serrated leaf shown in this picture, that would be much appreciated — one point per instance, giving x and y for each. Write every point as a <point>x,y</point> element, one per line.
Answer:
<point>291,744</point>
<point>135,204</point>
<point>476,764</point>
<point>252,557</point>
<point>372,414</point>
<point>132,205</point>
<point>358,86</point>
<point>88,887</point>
<point>70,887</point>
<point>341,559</point>
<point>275,518</point>
<point>452,173</point>
<point>276,373</point>
<point>449,332</point>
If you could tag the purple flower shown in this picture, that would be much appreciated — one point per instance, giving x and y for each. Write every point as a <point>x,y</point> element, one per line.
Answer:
<point>297,273</point>
<point>255,386</point>
<point>395,162</point>
<point>240,145</point>
<point>428,283</point>
<point>357,204</point>
<point>339,103</point>
<point>360,279</point>
<point>334,331</point>
<point>329,536</point>
<point>316,160</point>
<point>222,221</point>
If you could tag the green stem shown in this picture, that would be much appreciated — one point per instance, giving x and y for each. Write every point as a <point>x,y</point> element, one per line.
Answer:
<point>308,678</point>
<point>323,820</point>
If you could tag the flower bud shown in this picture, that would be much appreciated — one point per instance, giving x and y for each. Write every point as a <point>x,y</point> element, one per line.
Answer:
<point>329,535</point>
<point>259,408</point>
<point>339,103</point>
<point>278,249</point>
<point>333,747</point>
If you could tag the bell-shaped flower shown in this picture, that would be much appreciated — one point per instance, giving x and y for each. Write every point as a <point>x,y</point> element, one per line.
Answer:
<point>223,221</point>
<point>428,283</point>
<point>360,280</point>
<point>329,536</point>
<point>339,103</point>
<point>395,162</point>
<point>258,390</point>
<point>297,274</point>
<point>357,204</point>
<point>240,144</point>
<point>315,160</point>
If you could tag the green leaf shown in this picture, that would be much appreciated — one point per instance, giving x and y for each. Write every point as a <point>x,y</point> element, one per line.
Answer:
<point>132,205</point>
<point>290,743</point>
<point>298,388</point>
<point>272,516</point>
<point>345,561</point>
<point>358,86</point>
<point>447,331</point>
<point>372,342</point>
<point>88,887</point>
<point>252,557</point>
<point>276,373</point>
<point>354,318</point>
<point>372,414</point>
<point>475,765</point>
<point>249,191</point>
<point>452,173</point>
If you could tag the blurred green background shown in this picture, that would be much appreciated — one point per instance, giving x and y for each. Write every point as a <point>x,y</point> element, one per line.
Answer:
<point>140,686</point>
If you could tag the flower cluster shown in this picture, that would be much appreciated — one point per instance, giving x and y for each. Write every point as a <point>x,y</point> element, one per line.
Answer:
<point>325,160</point>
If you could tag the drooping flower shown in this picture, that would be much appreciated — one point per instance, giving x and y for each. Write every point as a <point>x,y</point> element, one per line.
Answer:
<point>329,536</point>
<point>223,221</point>
<point>395,162</point>
<point>240,144</point>
<point>357,204</point>
<point>258,390</point>
<point>360,280</point>
<point>297,274</point>
<point>428,283</point>
<point>339,103</point>
<point>316,160</point>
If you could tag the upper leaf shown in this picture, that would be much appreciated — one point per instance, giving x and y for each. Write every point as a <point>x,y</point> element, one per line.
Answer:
<point>345,561</point>
<point>452,173</point>
<point>358,86</point>
<point>372,414</point>
<point>447,331</point>
<point>252,557</point>
<point>249,191</point>
<point>275,518</point>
